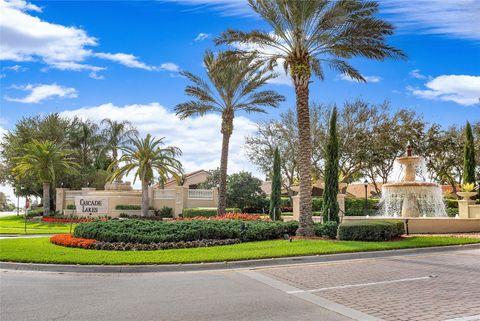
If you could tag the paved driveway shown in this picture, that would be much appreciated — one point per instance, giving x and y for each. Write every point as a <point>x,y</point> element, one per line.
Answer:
<point>441,286</point>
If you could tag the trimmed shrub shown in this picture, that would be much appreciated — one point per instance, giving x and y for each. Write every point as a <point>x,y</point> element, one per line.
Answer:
<point>451,203</point>
<point>206,212</point>
<point>317,204</point>
<point>143,231</point>
<point>71,207</point>
<point>165,212</point>
<point>128,207</point>
<point>356,206</point>
<point>328,229</point>
<point>361,230</point>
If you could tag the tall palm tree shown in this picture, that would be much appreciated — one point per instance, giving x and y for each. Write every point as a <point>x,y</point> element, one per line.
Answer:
<point>233,85</point>
<point>306,35</point>
<point>146,156</point>
<point>116,134</point>
<point>44,161</point>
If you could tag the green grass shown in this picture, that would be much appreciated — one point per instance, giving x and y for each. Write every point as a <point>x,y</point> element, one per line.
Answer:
<point>15,225</point>
<point>40,250</point>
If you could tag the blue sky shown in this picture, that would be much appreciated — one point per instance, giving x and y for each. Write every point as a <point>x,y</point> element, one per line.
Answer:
<point>120,59</point>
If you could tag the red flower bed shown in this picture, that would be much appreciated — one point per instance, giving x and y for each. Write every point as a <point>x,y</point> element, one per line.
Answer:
<point>227,216</point>
<point>70,220</point>
<point>70,241</point>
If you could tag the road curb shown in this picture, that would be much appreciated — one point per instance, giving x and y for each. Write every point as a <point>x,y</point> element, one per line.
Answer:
<point>247,264</point>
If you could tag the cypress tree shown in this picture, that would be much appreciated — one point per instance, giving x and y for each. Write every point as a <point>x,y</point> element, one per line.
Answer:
<point>275,196</point>
<point>468,156</point>
<point>330,203</point>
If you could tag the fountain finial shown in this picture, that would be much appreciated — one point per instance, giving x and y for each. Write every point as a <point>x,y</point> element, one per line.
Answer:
<point>409,149</point>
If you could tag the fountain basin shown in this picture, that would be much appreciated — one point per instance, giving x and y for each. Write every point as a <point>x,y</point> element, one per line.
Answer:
<point>431,225</point>
<point>412,199</point>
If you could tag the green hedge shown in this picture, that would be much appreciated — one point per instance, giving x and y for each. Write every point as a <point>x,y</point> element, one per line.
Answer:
<point>143,231</point>
<point>206,212</point>
<point>317,204</point>
<point>328,229</point>
<point>71,207</point>
<point>128,207</point>
<point>356,206</point>
<point>361,230</point>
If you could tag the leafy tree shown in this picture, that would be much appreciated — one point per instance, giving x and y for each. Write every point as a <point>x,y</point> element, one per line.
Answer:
<point>276,195</point>
<point>305,36</point>
<point>443,155</point>
<point>43,161</point>
<point>244,190</point>
<point>116,134</point>
<point>330,203</point>
<point>5,203</point>
<point>469,163</point>
<point>145,156</point>
<point>387,141</point>
<point>281,134</point>
<point>233,86</point>
<point>213,179</point>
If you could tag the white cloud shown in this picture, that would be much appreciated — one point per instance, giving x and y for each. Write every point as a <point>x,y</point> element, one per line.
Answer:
<point>225,7</point>
<point>125,59</point>
<point>461,89</point>
<point>415,73</point>
<point>29,38</point>
<point>372,79</point>
<point>16,68</point>
<point>26,37</point>
<point>457,18</point>
<point>199,138</point>
<point>201,36</point>
<point>169,66</point>
<point>40,92</point>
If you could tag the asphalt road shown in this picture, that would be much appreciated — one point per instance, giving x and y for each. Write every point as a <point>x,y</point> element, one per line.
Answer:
<point>435,286</point>
<point>155,296</point>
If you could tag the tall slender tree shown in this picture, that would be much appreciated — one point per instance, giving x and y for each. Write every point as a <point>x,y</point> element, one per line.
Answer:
<point>469,163</point>
<point>276,195</point>
<point>145,156</point>
<point>44,161</point>
<point>116,134</point>
<point>306,35</point>
<point>330,203</point>
<point>233,86</point>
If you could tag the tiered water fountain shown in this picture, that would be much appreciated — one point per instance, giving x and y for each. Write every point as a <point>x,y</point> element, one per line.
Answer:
<point>409,197</point>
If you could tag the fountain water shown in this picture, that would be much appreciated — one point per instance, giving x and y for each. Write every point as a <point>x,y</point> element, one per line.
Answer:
<point>409,197</point>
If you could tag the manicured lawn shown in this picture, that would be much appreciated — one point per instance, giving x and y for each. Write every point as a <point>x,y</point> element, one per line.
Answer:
<point>15,225</point>
<point>40,250</point>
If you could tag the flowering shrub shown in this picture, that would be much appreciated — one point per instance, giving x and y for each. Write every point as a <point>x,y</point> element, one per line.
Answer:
<point>70,241</point>
<point>228,216</point>
<point>49,219</point>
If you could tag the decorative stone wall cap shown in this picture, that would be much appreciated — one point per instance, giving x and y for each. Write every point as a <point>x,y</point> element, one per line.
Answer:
<point>466,195</point>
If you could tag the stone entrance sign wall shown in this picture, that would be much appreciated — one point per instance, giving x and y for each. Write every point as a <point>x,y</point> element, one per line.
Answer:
<point>91,205</point>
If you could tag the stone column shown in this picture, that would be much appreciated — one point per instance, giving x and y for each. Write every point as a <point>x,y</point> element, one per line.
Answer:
<point>181,199</point>
<point>464,208</point>
<point>60,199</point>
<point>296,207</point>
<point>341,204</point>
<point>215,196</point>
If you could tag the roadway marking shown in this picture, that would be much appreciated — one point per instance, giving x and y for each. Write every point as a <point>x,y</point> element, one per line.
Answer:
<point>322,302</point>
<point>362,284</point>
<point>470,318</point>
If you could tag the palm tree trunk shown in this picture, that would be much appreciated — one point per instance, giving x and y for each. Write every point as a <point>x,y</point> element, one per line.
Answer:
<point>304,156</point>
<point>145,198</point>
<point>115,168</point>
<point>46,198</point>
<point>227,127</point>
